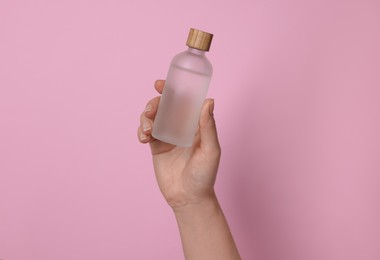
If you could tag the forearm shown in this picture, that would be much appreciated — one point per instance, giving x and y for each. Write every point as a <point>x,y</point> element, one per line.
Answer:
<point>205,233</point>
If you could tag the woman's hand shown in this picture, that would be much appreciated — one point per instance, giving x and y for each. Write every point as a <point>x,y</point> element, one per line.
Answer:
<point>186,176</point>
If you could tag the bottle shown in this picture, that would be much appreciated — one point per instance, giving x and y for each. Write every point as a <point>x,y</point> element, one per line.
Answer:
<point>185,90</point>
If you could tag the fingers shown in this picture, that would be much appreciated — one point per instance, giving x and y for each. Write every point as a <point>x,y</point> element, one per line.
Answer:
<point>159,85</point>
<point>144,131</point>
<point>151,108</point>
<point>143,137</point>
<point>207,127</point>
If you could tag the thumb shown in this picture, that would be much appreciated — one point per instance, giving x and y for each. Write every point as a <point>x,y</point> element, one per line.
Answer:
<point>207,127</point>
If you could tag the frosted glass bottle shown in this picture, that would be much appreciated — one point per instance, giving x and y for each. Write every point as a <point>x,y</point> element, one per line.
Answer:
<point>185,90</point>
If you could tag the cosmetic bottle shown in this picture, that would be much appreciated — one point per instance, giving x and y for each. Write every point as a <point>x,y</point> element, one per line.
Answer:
<point>184,92</point>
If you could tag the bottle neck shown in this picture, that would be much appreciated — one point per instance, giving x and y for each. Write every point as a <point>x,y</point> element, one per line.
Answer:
<point>196,51</point>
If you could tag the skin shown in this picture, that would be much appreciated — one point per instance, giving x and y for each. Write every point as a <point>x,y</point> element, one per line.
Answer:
<point>186,178</point>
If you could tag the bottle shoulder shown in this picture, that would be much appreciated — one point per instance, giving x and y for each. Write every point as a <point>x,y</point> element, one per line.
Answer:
<point>193,62</point>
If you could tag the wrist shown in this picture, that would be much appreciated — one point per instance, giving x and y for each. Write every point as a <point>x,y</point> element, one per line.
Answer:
<point>206,205</point>
<point>204,230</point>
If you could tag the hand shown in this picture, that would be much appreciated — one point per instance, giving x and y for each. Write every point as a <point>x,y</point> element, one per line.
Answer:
<point>185,175</point>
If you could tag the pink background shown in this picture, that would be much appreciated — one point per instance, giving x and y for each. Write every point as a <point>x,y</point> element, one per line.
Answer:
<point>296,86</point>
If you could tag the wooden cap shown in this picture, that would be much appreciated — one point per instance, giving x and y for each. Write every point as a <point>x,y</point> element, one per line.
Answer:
<point>199,40</point>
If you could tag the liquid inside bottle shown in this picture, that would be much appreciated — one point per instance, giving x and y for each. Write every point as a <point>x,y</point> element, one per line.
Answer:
<point>185,90</point>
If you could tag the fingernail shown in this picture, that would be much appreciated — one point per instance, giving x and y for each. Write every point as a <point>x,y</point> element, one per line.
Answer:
<point>211,111</point>
<point>146,126</point>
<point>148,108</point>
<point>143,137</point>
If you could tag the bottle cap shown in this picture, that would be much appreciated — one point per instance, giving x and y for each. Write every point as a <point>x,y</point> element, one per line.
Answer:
<point>198,39</point>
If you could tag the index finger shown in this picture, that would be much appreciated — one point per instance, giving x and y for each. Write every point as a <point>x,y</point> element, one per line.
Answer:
<point>159,85</point>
